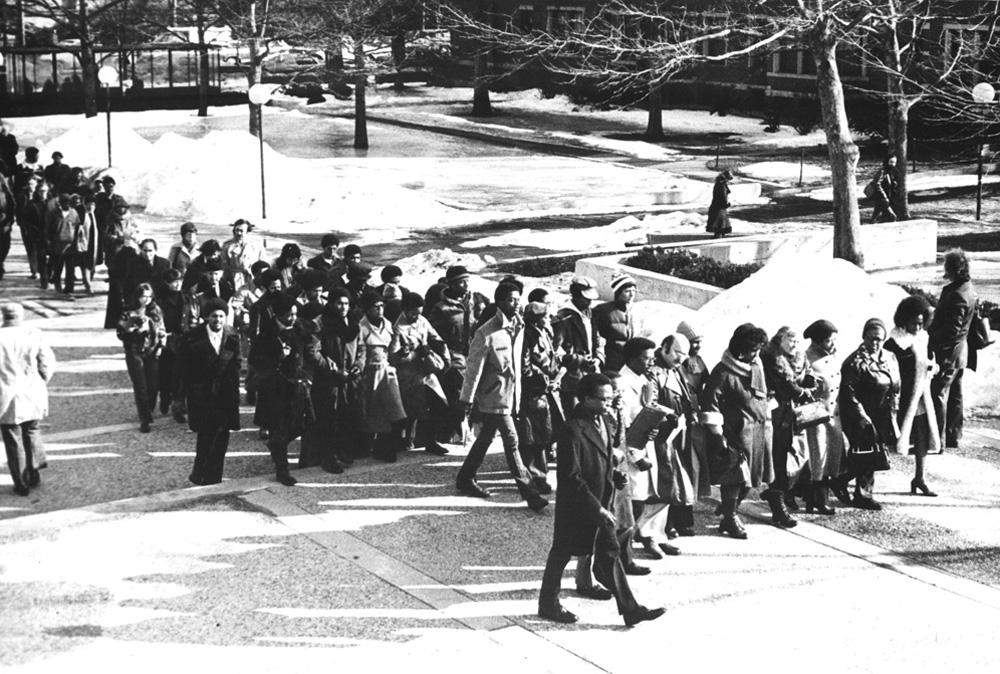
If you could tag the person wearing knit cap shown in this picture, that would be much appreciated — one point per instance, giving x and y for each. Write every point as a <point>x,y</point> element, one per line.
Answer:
<point>868,401</point>
<point>534,425</point>
<point>825,440</point>
<point>574,336</point>
<point>613,320</point>
<point>27,364</point>
<point>210,357</point>
<point>419,355</point>
<point>382,411</point>
<point>737,419</point>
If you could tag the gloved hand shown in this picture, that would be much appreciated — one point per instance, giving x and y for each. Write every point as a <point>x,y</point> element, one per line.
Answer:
<point>619,479</point>
<point>643,464</point>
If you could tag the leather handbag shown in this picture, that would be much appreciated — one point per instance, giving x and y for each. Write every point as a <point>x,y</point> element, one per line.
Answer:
<point>979,333</point>
<point>810,414</point>
<point>868,455</point>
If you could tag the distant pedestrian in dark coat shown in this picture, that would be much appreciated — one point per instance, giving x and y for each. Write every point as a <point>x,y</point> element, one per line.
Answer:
<point>949,334</point>
<point>718,216</point>
<point>584,523</point>
<point>211,358</point>
<point>885,185</point>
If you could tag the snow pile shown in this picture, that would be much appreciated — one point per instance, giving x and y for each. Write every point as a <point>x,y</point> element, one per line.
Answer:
<point>797,291</point>
<point>86,144</point>
<point>422,270</point>
<point>628,230</point>
<point>655,320</point>
<point>784,172</point>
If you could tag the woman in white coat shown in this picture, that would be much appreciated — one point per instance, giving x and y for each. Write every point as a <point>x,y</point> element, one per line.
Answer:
<point>826,440</point>
<point>908,341</point>
<point>26,365</point>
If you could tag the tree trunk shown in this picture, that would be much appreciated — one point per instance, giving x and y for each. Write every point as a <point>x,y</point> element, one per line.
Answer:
<point>481,106</point>
<point>88,66</point>
<point>254,73</point>
<point>360,110</point>
<point>654,122</point>
<point>398,46</point>
<point>899,116</point>
<point>842,150</point>
<point>203,59</point>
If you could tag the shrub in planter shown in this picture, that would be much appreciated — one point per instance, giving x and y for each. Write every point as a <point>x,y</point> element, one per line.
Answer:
<point>690,266</point>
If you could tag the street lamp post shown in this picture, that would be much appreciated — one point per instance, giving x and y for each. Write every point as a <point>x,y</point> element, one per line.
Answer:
<point>108,76</point>
<point>259,95</point>
<point>981,93</point>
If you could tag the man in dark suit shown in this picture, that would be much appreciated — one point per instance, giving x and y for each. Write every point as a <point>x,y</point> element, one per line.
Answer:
<point>148,267</point>
<point>584,523</point>
<point>948,334</point>
<point>211,358</point>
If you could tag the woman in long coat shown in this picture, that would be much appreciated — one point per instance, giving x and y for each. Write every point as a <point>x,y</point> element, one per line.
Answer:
<point>917,420</point>
<point>416,354</point>
<point>869,399</point>
<point>785,368</point>
<point>734,409</point>
<point>718,215</point>
<point>825,441</point>
<point>381,404</point>
<point>211,383</point>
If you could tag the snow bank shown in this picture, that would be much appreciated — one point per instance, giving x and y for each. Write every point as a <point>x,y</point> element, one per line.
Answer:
<point>624,231</point>
<point>795,292</point>
<point>655,320</point>
<point>86,144</point>
<point>422,270</point>
<point>784,172</point>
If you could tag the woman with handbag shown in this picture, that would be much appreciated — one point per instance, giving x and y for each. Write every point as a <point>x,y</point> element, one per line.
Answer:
<point>142,333</point>
<point>734,410</point>
<point>869,399</point>
<point>786,371</point>
<point>825,440</point>
<point>416,352</point>
<point>909,343</point>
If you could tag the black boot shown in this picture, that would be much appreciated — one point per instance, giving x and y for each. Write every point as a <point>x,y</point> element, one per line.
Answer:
<point>779,515</point>
<point>789,498</point>
<point>731,523</point>
<point>818,500</point>
<point>279,455</point>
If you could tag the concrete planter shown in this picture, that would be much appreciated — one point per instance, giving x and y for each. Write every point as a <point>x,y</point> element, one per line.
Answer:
<point>885,245</point>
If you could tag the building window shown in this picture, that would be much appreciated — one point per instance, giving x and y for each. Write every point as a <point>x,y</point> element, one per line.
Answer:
<point>522,20</point>
<point>564,20</point>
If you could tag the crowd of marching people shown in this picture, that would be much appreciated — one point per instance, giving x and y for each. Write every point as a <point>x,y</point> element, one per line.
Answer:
<point>353,367</point>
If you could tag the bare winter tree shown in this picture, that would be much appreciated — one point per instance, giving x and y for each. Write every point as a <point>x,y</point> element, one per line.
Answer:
<point>78,19</point>
<point>924,52</point>
<point>372,28</point>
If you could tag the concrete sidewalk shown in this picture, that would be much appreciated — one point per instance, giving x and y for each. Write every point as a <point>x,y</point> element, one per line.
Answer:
<point>387,567</point>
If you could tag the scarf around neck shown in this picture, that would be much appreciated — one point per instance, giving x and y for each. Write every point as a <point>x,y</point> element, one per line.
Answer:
<point>754,370</point>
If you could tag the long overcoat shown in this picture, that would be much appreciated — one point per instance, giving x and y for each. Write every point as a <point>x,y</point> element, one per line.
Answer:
<point>212,380</point>
<point>585,484</point>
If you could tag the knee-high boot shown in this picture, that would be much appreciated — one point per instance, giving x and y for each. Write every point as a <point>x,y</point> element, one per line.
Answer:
<point>779,514</point>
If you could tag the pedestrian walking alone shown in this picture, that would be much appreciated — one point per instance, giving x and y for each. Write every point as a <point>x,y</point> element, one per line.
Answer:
<point>26,366</point>
<point>718,210</point>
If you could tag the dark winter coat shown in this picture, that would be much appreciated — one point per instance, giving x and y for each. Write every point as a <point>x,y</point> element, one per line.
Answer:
<point>333,358</point>
<point>574,338</point>
<point>585,484</point>
<point>614,325</point>
<point>212,380</point>
<point>949,328</point>
<point>455,319</point>
<point>141,271</point>
<point>718,216</point>
<point>869,392</point>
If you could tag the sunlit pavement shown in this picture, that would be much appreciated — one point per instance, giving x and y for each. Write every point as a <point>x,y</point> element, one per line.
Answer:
<point>386,566</point>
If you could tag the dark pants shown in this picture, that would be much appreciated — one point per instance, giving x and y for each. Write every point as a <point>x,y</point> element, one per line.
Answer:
<point>608,571</point>
<point>30,249</point>
<point>209,456</point>
<point>946,391</point>
<point>504,423</point>
<point>5,231</point>
<point>144,373</point>
<point>169,379</point>
<point>63,264</point>
<point>20,451</point>
<point>681,516</point>
<point>277,445</point>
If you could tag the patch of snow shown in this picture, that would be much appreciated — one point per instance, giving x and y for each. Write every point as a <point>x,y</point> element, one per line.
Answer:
<point>784,172</point>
